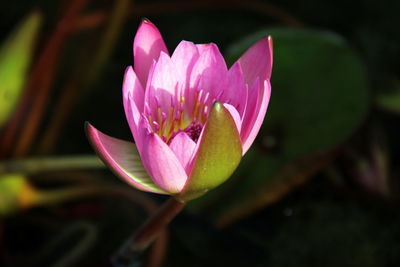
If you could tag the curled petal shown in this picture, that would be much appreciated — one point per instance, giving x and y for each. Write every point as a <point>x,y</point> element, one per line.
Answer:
<point>133,99</point>
<point>254,96</point>
<point>235,116</point>
<point>122,158</point>
<point>258,117</point>
<point>147,47</point>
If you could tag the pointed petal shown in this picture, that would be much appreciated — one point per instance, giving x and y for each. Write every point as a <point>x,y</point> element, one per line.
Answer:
<point>218,153</point>
<point>147,46</point>
<point>133,99</point>
<point>161,87</point>
<point>184,58</point>
<point>183,147</point>
<point>209,72</point>
<point>257,61</point>
<point>258,118</point>
<point>162,84</point>
<point>164,167</point>
<point>122,158</point>
<point>164,76</point>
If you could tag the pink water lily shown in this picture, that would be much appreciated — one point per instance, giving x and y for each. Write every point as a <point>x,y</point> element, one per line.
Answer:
<point>191,117</point>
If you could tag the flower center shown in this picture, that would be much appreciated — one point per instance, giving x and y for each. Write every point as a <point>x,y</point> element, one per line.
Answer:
<point>167,123</point>
<point>193,131</point>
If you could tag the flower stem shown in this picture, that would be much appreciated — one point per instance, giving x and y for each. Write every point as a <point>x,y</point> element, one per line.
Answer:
<point>148,232</point>
<point>48,164</point>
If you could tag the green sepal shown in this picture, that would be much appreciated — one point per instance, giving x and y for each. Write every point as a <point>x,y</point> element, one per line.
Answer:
<point>218,155</point>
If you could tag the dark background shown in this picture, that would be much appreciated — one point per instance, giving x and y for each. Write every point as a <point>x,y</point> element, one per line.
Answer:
<point>319,187</point>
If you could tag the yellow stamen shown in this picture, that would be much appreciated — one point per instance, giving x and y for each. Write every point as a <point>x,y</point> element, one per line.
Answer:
<point>151,123</point>
<point>160,121</point>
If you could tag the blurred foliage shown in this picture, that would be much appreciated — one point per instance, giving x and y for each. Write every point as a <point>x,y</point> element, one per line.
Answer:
<point>390,101</point>
<point>15,57</point>
<point>15,193</point>
<point>319,99</point>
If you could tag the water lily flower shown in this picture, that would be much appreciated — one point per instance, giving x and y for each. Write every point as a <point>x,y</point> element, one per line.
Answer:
<point>191,117</point>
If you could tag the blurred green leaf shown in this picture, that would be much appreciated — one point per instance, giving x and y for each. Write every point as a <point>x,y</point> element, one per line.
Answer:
<point>15,193</point>
<point>15,57</point>
<point>319,98</point>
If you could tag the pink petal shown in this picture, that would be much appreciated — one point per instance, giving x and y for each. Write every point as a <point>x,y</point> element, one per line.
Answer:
<point>122,158</point>
<point>254,96</point>
<point>161,86</point>
<point>147,46</point>
<point>236,91</point>
<point>235,116</point>
<point>133,98</point>
<point>183,58</point>
<point>150,102</point>
<point>164,167</point>
<point>143,129</point>
<point>183,146</point>
<point>164,76</point>
<point>259,117</point>
<point>257,61</point>
<point>209,72</point>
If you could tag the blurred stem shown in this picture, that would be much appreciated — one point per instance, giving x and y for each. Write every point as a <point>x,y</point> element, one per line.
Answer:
<point>62,195</point>
<point>153,230</point>
<point>87,233</point>
<point>73,90</point>
<point>158,250</point>
<point>152,227</point>
<point>51,197</point>
<point>21,131</point>
<point>36,165</point>
<point>96,19</point>
<point>109,39</point>
<point>148,232</point>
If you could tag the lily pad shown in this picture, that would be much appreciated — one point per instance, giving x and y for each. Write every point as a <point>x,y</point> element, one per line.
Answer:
<point>319,98</point>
